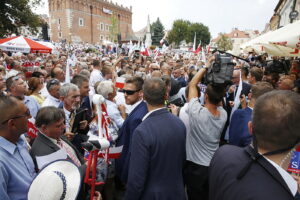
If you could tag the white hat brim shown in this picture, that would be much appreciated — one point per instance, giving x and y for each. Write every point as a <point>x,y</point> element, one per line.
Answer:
<point>58,180</point>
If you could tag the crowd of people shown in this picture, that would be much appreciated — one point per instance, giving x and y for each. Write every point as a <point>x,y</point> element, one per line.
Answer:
<point>173,125</point>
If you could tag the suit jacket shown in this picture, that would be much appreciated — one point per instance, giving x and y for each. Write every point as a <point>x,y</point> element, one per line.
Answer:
<point>81,114</point>
<point>42,146</point>
<point>232,180</point>
<point>157,158</point>
<point>239,134</point>
<point>125,135</point>
<point>230,97</point>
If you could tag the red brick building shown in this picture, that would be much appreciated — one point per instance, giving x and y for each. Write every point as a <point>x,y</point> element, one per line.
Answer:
<point>88,20</point>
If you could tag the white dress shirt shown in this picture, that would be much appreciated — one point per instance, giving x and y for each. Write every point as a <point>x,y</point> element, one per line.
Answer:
<point>114,113</point>
<point>51,101</point>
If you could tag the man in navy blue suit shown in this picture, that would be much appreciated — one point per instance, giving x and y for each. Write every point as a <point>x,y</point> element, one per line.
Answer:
<point>238,130</point>
<point>133,96</point>
<point>157,150</point>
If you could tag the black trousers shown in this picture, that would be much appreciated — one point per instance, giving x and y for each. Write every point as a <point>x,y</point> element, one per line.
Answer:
<point>196,180</point>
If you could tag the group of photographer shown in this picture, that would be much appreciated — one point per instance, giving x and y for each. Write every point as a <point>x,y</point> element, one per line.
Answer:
<point>171,115</point>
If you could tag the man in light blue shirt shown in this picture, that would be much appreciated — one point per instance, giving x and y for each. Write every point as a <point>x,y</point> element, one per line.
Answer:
<point>17,87</point>
<point>16,166</point>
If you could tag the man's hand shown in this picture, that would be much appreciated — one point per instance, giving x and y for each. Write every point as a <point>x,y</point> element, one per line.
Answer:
<point>69,135</point>
<point>174,109</point>
<point>122,110</point>
<point>97,196</point>
<point>83,124</point>
<point>231,89</point>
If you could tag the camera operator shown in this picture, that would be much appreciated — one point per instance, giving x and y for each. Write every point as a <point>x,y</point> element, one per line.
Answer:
<point>206,125</point>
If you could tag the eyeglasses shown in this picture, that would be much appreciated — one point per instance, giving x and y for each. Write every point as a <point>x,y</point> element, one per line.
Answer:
<point>27,114</point>
<point>15,78</point>
<point>130,92</point>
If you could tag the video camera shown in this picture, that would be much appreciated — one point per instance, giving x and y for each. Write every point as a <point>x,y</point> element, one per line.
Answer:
<point>221,70</point>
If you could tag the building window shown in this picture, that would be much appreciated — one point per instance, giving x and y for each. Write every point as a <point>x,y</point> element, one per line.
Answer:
<point>101,26</point>
<point>107,38</point>
<point>106,27</point>
<point>59,34</point>
<point>101,37</point>
<point>58,20</point>
<point>81,22</point>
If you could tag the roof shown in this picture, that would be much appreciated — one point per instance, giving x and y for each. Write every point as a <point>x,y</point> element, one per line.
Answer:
<point>235,33</point>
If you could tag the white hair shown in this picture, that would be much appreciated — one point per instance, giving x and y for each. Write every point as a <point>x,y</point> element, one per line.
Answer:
<point>105,88</point>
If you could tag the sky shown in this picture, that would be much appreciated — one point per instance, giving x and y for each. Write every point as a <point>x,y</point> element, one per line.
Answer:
<point>218,15</point>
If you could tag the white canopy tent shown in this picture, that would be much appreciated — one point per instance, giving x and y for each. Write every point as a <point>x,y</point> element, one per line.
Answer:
<point>282,42</point>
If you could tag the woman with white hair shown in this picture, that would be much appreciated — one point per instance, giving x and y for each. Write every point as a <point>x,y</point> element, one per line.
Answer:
<point>115,112</point>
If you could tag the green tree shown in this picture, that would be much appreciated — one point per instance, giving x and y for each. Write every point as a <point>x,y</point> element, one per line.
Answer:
<point>202,34</point>
<point>224,43</point>
<point>114,29</point>
<point>16,13</point>
<point>157,31</point>
<point>179,31</point>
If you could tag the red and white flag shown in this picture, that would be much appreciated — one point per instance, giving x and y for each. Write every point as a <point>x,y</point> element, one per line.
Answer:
<point>120,81</point>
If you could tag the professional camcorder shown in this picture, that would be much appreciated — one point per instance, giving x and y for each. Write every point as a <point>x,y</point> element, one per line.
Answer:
<point>221,70</point>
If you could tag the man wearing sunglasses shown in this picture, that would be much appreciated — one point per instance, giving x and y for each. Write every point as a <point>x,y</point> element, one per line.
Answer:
<point>17,87</point>
<point>133,96</point>
<point>16,166</point>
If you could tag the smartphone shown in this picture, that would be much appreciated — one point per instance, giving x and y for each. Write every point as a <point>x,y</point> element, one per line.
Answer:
<point>126,58</point>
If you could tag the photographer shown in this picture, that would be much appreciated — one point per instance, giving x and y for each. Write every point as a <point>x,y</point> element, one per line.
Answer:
<point>206,125</point>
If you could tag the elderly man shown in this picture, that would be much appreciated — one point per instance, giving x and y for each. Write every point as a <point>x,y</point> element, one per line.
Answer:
<point>285,83</point>
<point>115,112</point>
<point>154,170</point>
<point>16,166</point>
<point>258,171</point>
<point>52,99</point>
<point>17,87</point>
<point>76,117</point>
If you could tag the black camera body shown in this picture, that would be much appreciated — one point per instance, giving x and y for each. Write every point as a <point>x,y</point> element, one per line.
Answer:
<point>221,70</point>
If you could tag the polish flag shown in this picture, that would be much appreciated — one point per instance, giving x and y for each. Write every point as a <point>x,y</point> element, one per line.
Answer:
<point>199,48</point>
<point>113,153</point>
<point>120,81</point>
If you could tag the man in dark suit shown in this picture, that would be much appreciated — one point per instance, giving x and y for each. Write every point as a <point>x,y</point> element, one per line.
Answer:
<point>229,99</point>
<point>238,129</point>
<point>157,151</point>
<point>76,117</point>
<point>50,139</point>
<point>258,171</point>
<point>133,96</point>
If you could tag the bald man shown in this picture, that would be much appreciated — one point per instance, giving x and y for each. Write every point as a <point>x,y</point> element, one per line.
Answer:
<point>16,166</point>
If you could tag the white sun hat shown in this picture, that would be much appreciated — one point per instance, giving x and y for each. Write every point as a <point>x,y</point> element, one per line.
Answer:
<point>59,180</point>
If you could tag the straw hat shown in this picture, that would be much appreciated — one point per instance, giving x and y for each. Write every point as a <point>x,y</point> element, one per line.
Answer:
<point>57,181</point>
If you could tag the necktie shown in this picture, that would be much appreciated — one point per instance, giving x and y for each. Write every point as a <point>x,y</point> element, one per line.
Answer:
<point>71,120</point>
<point>69,152</point>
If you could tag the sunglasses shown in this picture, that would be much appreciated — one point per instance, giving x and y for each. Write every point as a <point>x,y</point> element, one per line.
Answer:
<point>130,92</point>
<point>27,114</point>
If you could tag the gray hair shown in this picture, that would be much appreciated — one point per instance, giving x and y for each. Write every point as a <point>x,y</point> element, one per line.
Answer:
<point>48,115</point>
<point>66,88</point>
<point>105,88</point>
<point>85,73</point>
<point>82,65</point>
